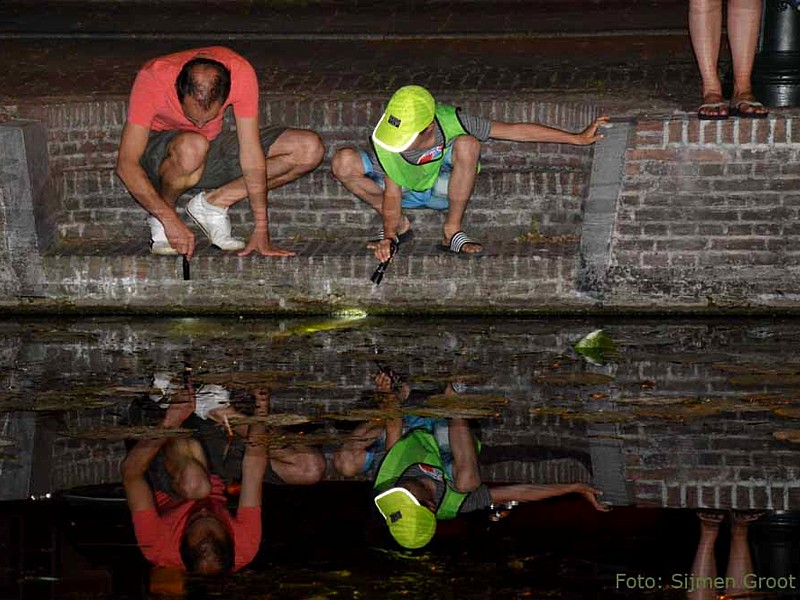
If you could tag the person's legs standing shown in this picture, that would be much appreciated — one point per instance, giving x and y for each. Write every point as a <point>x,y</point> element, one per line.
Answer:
<point>744,23</point>
<point>705,31</point>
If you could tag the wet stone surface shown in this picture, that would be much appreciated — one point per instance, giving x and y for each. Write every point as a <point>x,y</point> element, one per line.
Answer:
<point>677,422</point>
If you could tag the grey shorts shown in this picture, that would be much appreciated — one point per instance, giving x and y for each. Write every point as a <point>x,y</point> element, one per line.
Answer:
<point>222,163</point>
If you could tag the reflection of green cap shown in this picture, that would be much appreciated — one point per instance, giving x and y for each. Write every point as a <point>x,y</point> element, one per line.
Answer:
<point>410,110</point>
<point>410,524</point>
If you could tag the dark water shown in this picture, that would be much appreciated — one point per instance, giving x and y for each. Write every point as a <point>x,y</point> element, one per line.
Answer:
<point>682,419</point>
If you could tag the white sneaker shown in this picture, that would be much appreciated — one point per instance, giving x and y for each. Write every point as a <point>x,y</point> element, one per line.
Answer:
<point>159,244</point>
<point>214,222</point>
<point>210,397</point>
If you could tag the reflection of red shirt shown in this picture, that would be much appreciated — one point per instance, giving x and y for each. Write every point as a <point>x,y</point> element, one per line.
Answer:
<point>154,100</point>
<point>159,530</point>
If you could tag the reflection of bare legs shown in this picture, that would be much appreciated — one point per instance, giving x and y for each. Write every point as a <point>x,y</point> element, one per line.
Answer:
<point>297,465</point>
<point>349,459</point>
<point>186,465</point>
<point>465,461</point>
<point>704,564</point>
<point>739,562</point>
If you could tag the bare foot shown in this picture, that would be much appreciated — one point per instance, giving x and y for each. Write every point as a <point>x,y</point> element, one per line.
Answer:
<point>745,104</point>
<point>710,520</point>
<point>713,107</point>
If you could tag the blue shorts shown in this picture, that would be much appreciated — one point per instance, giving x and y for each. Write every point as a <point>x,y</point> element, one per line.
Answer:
<point>435,198</point>
<point>440,428</point>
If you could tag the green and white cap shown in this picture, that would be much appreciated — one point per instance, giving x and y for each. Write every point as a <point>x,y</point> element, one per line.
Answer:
<point>411,525</point>
<point>410,110</point>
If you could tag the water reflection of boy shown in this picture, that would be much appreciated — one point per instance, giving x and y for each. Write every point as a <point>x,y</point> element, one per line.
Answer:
<point>193,528</point>
<point>415,486</point>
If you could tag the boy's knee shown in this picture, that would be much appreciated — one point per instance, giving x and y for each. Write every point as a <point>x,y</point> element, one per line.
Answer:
<point>346,164</point>
<point>346,464</point>
<point>307,468</point>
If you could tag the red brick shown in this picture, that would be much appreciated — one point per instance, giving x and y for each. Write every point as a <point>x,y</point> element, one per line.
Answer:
<point>675,132</point>
<point>663,154</point>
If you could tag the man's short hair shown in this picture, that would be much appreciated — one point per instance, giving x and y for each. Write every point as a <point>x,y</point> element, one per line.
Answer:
<point>205,95</point>
<point>221,550</point>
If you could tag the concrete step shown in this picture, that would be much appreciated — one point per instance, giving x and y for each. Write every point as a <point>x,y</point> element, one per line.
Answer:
<point>324,275</point>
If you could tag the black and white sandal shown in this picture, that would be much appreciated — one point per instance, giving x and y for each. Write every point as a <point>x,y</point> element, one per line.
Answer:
<point>457,243</point>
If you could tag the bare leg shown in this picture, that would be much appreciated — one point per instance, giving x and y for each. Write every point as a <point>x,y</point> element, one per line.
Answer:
<point>349,170</point>
<point>744,22</point>
<point>349,459</point>
<point>705,564</point>
<point>293,154</point>
<point>185,462</point>
<point>465,460</point>
<point>705,30</point>
<point>183,165</point>
<point>298,465</point>
<point>739,561</point>
<point>466,151</point>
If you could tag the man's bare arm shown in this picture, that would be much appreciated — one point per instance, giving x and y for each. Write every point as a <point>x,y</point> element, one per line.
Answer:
<point>130,171</point>
<point>392,197</point>
<point>254,170</point>
<point>256,456</point>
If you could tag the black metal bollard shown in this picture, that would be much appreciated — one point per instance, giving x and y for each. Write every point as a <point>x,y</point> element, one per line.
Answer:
<point>776,72</point>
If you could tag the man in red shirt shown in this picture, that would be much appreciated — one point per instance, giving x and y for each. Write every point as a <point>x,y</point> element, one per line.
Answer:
<point>173,142</point>
<point>191,527</point>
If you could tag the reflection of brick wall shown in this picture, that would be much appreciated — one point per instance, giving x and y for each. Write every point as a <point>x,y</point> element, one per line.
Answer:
<point>78,462</point>
<point>666,462</point>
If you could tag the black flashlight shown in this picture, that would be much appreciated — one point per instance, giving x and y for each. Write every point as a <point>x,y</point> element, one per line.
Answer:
<point>377,276</point>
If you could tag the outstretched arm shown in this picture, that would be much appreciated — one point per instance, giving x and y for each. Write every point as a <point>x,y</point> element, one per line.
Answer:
<point>256,455</point>
<point>533,132</point>
<point>530,492</point>
<point>134,467</point>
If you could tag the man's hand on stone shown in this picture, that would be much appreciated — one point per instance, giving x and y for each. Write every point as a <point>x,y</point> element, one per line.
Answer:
<point>259,242</point>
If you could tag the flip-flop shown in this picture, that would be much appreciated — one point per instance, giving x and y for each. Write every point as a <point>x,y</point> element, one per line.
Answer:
<point>712,106</point>
<point>457,243</point>
<point>402,238</point>
<point>735,109</point>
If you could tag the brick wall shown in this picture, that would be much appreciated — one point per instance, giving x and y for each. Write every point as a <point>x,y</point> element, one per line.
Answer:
<point>539,185</point>
<point>708,211</point>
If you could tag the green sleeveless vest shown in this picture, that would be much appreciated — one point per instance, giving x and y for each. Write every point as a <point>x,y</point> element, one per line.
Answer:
<point>418,447</point>
<point>421,178</point>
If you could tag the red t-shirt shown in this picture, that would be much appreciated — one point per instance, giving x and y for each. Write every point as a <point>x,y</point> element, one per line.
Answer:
<point>159,530</point>
<point>154,99</point>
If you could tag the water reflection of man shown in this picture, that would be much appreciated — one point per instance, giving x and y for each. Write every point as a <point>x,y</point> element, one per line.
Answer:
<point>184,522</point>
